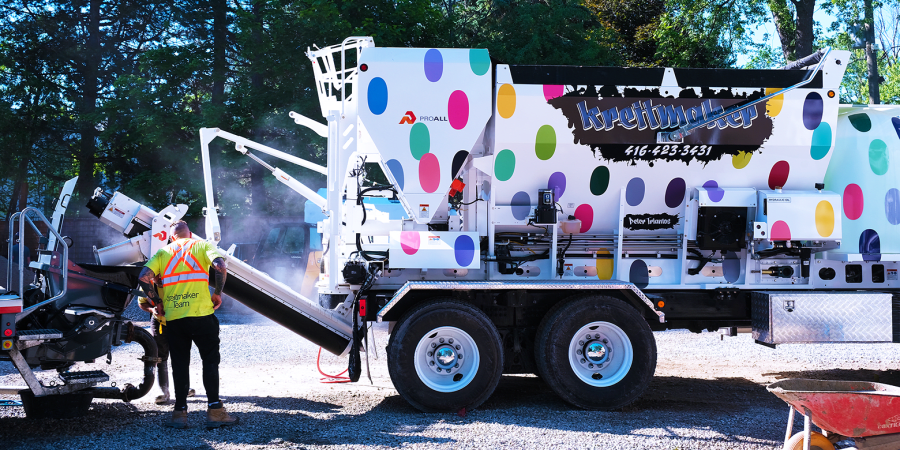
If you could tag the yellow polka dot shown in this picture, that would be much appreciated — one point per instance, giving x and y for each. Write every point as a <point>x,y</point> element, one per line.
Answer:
<point>605,266</point>
<point>506,101</point>
<point>824,218</point>
<point>741,160</point>
<point>773,105</point>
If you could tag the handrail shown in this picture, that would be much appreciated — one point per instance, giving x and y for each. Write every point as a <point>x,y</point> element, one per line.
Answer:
<point>64,261</point>
<point>678,135</point>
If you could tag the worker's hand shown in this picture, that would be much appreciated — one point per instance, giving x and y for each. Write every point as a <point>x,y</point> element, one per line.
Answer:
<point>217,300</point>
<point>160,311</point>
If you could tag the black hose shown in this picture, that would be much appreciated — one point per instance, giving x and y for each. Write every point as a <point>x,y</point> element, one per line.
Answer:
<point>150,358</point>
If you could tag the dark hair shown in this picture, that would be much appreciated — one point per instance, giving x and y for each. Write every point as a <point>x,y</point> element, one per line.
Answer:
<point>180,228</point>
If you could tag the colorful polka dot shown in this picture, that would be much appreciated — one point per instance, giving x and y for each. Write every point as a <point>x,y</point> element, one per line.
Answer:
<point>824,218</point>
<point>861,122</point>
<point>878,157</point>
<point>419,140</point>
<point>812,110</point>
<point>731,267</point>
<point>429,172</point>
<point>585,214</point>
<point>741,159</point>
<point>599,180</point>
<point>896,123</point>
<point>557,182</point>
<point>870,245</point>
<point>821,141</point>
<point>634,191</point>
<point>396,171</point>
<point>780,231</point>
<point>675,192</point>
<point>409,242</point>
<point>464,250</point>
<point>545,142</point>
<point>853,201</point>
<point>434,65</point>
<point>713,191</point>
<point>638,274</point>
<point>506,101</point>
<point>377,95</point>
<point>552,91</point>
<point>773,105</point>
<point>458,160</point>
<point>458,110</point>
<point>520,205</point>
<point>504,165</point>
<point>892,206</point>
<point>479,61</point>
<point>605,266</point>
<point>778,176</point>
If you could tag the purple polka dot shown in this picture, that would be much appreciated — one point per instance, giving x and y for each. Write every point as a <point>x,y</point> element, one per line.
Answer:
<point>896,123</point>
<point>812,111</point>
<point>675,192</point>
<point>434,65</point>
<point>870,245</point>
<point>634,191</point>
<point>557,183</point>
<point>464,250</point>
<point>892,206</point>
<point>713,190</point>
<point>397,171</point>
<point>520,205</point>
<point>639,274</point>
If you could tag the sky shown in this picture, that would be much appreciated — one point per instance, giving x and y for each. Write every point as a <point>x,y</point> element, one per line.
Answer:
<point>759,34</point>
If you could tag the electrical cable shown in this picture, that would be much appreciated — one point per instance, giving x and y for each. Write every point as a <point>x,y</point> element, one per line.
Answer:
<point>330,379</point>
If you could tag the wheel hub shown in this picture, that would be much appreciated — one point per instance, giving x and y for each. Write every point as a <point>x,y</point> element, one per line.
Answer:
<point>600,354</point>
<point>593,351</point>
<point>446,359</point>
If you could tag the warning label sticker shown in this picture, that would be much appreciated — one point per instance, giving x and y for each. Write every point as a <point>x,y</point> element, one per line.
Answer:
<point>892,274</point>
<point>423,211</point>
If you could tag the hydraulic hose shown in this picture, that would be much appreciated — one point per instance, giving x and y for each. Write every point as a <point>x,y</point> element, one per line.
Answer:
<point>150,359</point>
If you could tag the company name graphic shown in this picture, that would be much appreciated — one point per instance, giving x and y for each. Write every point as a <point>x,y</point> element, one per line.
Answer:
<point>411,118</point>
<point>650,221</point>
<point>644,114</point>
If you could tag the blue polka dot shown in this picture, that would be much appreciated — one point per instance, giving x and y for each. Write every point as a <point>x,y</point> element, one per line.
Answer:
<point>397,171</point>
<point>434,65</point>
<point>634,191</point>
<point>521,205</point>
<point>377,96</point>
<point>639,274</point>
<point>870,245</point>
<point>464,250</point>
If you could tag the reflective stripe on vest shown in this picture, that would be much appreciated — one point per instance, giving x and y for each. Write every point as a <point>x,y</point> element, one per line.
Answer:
<point>183,255</point>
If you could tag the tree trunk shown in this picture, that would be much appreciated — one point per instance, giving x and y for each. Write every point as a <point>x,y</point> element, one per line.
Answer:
<point>785,26</point>
<point>257,172</point>
<point>804,33</point>
<point>871,59</point>
<point>89,94</point>
<point>19,197</point>
<point>220,44</point>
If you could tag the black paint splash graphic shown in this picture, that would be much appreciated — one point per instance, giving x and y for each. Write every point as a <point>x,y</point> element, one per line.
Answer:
<point>623,127</point>
<point>650,221</point>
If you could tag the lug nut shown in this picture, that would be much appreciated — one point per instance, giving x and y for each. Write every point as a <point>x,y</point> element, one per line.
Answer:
<point>430,353</point>
<point>441,340</point>
<point>596,336</point>
<point>456,366</point>
<point>580,342</point>
<point>460,356</point>
<point>431,363</point>
<point>439,370</point>
<point>606,341</point>
<point>583,360</point>
<point>590,366</point>
<point>588,337</point>
<point>458,346</point>
<point>433,345</point>
<point>578,352</point>
<point>450,341</point>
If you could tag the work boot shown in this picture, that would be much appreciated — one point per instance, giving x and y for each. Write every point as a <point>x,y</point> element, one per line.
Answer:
<point>179,420</point>
<point>216,417</point>
<point>163,375</point>
<point>163,399</point>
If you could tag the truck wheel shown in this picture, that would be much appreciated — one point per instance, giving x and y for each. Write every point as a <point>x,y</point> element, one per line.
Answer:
<point>596,352</point>
<point>445,355</point>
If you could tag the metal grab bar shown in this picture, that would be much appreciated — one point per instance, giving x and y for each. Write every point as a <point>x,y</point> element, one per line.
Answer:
<point>64,269</point>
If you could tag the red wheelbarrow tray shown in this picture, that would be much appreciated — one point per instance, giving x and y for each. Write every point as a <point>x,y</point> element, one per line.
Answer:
<point>848,408</point>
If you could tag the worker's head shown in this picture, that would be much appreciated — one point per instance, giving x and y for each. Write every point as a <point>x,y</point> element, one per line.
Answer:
<point>180,230</point>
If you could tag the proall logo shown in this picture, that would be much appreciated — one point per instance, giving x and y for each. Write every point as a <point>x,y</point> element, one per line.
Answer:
<point>411,118</point>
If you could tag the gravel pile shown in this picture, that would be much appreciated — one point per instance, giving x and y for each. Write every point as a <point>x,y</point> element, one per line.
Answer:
<point>708,394</point>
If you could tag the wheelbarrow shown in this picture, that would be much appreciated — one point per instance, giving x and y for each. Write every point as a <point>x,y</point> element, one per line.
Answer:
<point>868,413</point>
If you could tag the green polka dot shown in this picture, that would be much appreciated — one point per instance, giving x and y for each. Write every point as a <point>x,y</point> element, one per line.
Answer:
<point>878,157</point>
<point>821,141</point>
<point>419,140</point>
<point>545,143</point>
<point>504,165</point>
<point>861,122</point>
<point>480,61</point>
<point>599,180</point>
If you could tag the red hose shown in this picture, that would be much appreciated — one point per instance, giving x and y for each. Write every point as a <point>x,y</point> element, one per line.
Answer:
<point>326,378</point>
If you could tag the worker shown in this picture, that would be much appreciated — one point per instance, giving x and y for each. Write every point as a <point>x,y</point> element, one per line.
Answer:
<point>189,310</point>
<point>158,324</point>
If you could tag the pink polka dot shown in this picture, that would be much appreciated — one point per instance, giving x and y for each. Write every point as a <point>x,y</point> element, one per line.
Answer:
<point>409,242</point>
<point>853,201</point>
<point>585,214</point>
<point>458,110</point>
<point>780,231</point>
<point>552,91</point>
<point>429,172</point>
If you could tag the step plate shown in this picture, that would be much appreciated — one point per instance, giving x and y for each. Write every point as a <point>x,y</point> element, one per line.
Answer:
<point>89,377</point>
<point>39,335</point>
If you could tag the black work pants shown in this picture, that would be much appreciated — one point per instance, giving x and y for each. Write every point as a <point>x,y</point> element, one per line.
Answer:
<point>203,331</point>
<point>162,343</point>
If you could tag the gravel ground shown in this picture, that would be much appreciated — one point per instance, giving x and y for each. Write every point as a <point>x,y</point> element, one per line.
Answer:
<point>708,394</point>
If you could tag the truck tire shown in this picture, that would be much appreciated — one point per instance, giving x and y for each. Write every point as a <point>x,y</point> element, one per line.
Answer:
<point>444,356</point>
<point>596,352</point>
